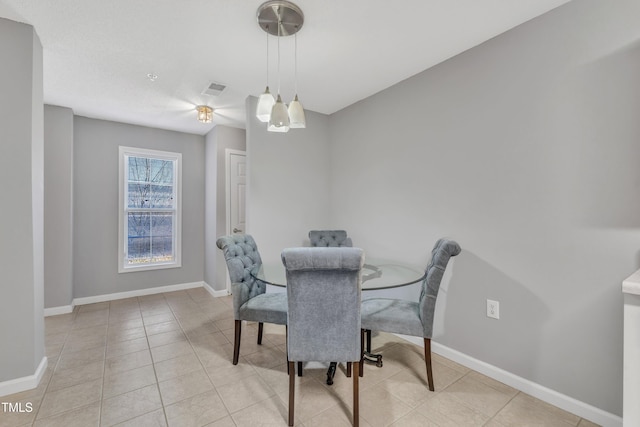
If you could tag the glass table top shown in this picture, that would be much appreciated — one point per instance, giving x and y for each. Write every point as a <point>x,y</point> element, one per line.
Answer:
<point>376,274</point>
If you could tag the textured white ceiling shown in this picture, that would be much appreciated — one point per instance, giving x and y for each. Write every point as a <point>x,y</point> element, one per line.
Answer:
<point>97,53</point>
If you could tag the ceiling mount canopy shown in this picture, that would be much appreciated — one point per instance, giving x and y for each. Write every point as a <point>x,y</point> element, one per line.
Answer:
<point>280,18</point>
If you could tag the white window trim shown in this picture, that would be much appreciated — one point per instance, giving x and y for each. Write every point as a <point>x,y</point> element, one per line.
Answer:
<point>122,221</point>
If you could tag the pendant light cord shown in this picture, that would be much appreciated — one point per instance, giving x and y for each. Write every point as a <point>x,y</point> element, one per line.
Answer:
<point>279,23</point>
<point>267,59</point>
<point>295,62</point>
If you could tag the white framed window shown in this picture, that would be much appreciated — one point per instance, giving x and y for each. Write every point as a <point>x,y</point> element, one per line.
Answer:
<point>150,209</point>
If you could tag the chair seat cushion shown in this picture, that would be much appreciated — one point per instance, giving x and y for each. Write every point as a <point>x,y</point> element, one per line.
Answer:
<point>392,315</point>
<point>269,307</point>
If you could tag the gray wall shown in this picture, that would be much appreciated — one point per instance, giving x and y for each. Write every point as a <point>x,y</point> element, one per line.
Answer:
<point>210,207</point>
<point>523,149</point>
<point>95,233</point>
<point>288,191</point>
<point>217,141</point>
<point>58,206</point>
<point>21,218</point>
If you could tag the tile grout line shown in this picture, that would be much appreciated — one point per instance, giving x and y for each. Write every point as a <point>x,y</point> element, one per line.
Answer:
<point>463,403</point>
<point>502,408</point>
<point>104,375</point>
<point>53,371</point>
<point>197,356</point>
<point>104,368</point>
<point>256,373</point>
<point>202,365</point>
<point>153,365</point>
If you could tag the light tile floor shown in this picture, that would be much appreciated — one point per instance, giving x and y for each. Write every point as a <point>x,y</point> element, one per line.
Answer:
<point>166,360</point>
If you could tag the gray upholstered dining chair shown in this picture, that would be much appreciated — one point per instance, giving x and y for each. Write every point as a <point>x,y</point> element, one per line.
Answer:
<point>329,238</point>
<point>413,318</point>
<point>323,293</point>
<point>250,300</point>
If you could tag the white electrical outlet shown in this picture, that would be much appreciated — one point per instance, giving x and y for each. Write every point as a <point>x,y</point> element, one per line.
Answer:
<point>493,309</point>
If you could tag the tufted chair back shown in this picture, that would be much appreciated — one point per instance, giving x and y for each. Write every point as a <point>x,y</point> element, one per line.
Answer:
<point>323,292</point>
<point>241,254</point>
<point>440,255</point>
<point>329,238</point>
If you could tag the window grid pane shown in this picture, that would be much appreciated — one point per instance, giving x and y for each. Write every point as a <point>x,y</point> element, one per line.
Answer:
<point>150,238</point>
<point>150,210</point>
<point>150,183</point>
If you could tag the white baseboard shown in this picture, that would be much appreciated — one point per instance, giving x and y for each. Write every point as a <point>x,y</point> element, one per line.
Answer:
<point>136,293</point>
<point>54,311</point>
<point>213,292</point>
<point>545,394</point>
<point>24,383</point>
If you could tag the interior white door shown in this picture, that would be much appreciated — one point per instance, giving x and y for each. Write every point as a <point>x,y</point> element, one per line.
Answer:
<point>237,192</point>
<point>236,165</point>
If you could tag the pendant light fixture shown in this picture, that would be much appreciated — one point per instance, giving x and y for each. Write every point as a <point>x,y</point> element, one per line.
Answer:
<point>281,18</point>
<point>266,100</point>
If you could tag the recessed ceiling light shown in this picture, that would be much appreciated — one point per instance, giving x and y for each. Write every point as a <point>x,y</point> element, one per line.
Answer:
<point>152,77</point>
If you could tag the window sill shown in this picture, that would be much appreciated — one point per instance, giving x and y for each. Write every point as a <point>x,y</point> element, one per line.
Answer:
<point>133,269</point>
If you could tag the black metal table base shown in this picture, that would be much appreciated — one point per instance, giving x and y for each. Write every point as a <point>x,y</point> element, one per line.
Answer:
<point>373,358</point>
<point>331,372</point>
<point>369,357</point>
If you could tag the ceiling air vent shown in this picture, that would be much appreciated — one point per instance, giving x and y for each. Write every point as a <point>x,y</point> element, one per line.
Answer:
<point>214,89</point>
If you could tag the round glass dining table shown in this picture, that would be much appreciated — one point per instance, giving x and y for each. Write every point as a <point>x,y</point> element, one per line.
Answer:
<point>376,274</point>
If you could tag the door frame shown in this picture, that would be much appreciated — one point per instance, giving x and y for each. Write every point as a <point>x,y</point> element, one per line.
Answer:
<point>227,189</point>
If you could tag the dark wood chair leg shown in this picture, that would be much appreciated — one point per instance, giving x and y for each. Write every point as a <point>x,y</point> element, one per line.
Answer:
<point>348,369</point>
<point>299,369</point>
<point>356,397</point>
<point>427,359</point>
<point>292,390</point>
<point>236,341</point>
<point>260,328</point>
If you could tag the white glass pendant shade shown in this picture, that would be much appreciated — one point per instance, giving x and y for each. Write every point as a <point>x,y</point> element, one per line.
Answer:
<point>296,114</point>
<point>265,105</point>
<point>279,121</point>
